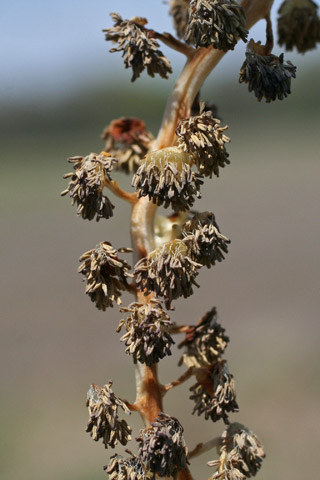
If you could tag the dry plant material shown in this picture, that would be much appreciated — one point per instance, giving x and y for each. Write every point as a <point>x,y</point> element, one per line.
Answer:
<point>128,140</point>
<point>170,249</point>
<point>216,22</point>
<point>103,416</point>
<point>299,25</point>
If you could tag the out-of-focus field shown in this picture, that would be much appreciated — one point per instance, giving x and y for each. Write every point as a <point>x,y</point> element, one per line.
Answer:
<point>54,343</point>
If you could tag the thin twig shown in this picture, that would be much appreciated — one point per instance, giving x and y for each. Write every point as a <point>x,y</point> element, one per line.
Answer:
<point>183,378</point>
<point>179,329</point>
<point>269,34</point>
<point>204,447</point>
<point>174,43</point>
<point>114,187</point>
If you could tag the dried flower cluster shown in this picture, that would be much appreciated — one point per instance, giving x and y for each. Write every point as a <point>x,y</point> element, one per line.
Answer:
<point>214,393</point>
<point>268,76</point>
<point>128,140</point>
<point>179,9</point>
<point>299,25</point>
<point>216,22</point>
<point>86,185</point>
<point>140,50</point>
<point>170,250</point>
<point>241,454</point>
<point>147,338</point>
<point>202,235</point>
<point>104,421</point>
<point>204,342</point>
<point>131,468</point>
<point>168,271</point>
<point>106,275</point>
<point>204,138</point>
<point>166,177</point>
<point>162,446</point>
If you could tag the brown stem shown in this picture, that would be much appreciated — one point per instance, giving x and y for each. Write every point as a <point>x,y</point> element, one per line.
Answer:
<point>114,187</point>
<point>183,378</point>
<point>269,35</point>
<point>204,447</point>
<point>179,329</point>
<point>198,67</point>
<point>174,43</point>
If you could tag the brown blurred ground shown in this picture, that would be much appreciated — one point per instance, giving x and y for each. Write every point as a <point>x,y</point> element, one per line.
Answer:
<point>54,343</point>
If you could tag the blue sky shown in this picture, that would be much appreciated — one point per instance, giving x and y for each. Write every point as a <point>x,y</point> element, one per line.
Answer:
<point>47,48</point>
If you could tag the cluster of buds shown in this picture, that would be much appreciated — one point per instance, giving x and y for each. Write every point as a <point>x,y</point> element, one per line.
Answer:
<point>103,416</point>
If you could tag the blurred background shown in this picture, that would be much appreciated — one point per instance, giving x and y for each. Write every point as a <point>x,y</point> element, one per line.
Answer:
<point>59,87</point>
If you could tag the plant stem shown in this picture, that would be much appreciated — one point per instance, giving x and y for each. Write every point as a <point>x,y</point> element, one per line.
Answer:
<point>204,447</point>
<point>196,70</point>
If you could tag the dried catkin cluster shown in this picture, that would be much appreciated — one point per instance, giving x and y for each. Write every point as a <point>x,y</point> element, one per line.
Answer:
<point>171,248</point>
<point>169,272</point>
<point>103,416</point>
<point>106,275</point>
<point>299,25</point>
<point>128,140</point>
<point>202,235</point>
<point>147,335</point>
<point>131,468</point>
<point>216,22</point>
<point>214,393</point>
<point>87,182</point>
<point>179,9</point>
<point>268,76</point>
<point>241,454</point>
<point>162,446</point>
<point>204,342</point>
<point>139,50</point>
<point>204,138</point>
<point>166,177</point>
